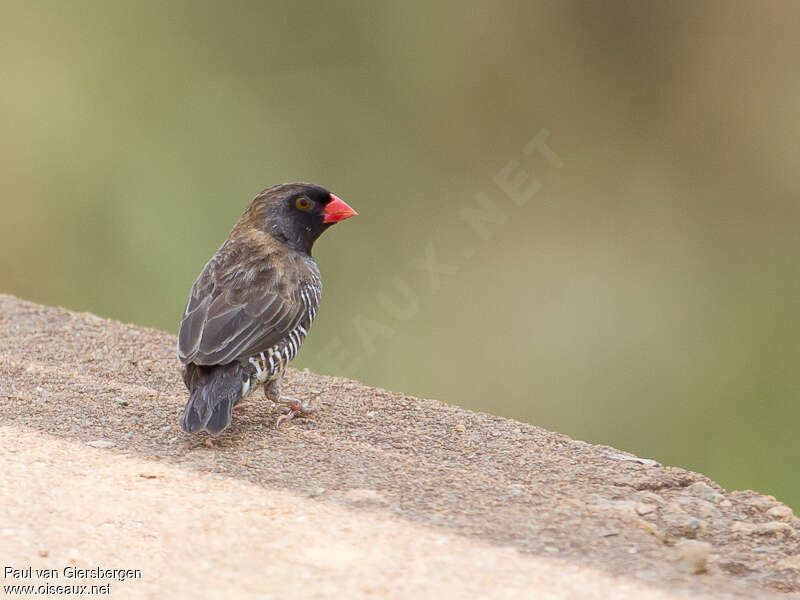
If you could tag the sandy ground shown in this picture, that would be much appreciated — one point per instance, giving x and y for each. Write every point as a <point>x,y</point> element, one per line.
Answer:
<point>377,495</point>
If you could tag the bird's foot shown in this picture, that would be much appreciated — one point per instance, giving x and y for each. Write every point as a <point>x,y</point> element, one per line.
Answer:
<point>291,408</point>
<point>241,405</point>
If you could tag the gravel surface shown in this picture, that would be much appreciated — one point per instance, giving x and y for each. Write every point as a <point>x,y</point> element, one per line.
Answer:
<point>378,494</point>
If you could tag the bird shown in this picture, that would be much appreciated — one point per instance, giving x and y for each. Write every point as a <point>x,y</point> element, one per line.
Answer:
<point>252,305</point>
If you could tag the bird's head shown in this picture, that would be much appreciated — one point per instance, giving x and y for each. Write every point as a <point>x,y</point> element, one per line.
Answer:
<point>297,213</point>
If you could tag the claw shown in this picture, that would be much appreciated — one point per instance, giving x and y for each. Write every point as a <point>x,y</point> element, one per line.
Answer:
<point>291,408</point>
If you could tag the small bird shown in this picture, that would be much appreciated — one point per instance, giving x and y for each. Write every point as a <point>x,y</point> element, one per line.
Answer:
<point>253,303</point>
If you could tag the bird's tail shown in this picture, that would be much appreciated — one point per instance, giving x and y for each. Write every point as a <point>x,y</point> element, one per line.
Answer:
<point>213,392</point>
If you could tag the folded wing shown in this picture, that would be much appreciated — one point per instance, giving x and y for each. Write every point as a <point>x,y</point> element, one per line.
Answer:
<point>233,317</point>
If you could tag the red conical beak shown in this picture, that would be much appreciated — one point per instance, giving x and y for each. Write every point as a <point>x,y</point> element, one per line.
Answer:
<point>337,210</point>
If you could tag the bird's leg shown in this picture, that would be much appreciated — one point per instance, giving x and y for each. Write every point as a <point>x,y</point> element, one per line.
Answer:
<point>289,407</point>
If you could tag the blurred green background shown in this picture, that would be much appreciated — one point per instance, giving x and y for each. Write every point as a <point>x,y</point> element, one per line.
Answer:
<point>646,297</point>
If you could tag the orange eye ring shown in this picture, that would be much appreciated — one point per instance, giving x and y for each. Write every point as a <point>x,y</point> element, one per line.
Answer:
<point>303,203</point>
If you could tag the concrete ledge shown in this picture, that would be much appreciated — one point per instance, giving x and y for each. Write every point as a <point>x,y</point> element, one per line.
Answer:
<point>377,495</point>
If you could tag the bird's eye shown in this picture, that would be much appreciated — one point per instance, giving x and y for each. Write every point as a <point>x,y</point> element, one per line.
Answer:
<point>303,203</point>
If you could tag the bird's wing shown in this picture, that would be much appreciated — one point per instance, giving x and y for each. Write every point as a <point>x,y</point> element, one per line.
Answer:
<point>233,314</point>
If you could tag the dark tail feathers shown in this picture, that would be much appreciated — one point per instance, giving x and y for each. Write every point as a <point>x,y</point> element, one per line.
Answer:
<point>213,392</point>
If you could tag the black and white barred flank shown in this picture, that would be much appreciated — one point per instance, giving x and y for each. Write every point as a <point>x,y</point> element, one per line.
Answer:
<point>270,364</point>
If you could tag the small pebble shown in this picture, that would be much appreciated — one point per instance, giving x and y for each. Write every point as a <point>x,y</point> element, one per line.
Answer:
<point>365,496</point>
<point>649,497</point>
<point>699,507</point>
<point>736,567</point>
<point>121,401</point>
<point>694,555</point>
<point>643,508</point>
<point>743,527</point>
<point>101,444</point>
<point>761,503</point>
<point>599,503</point>
<point>631,458</point>
<point>776,528</point>
<point>653,530</point>
<point>680,524</point>
<point>780,512</point>
<point>702,490</point>
<point>609,533</point>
